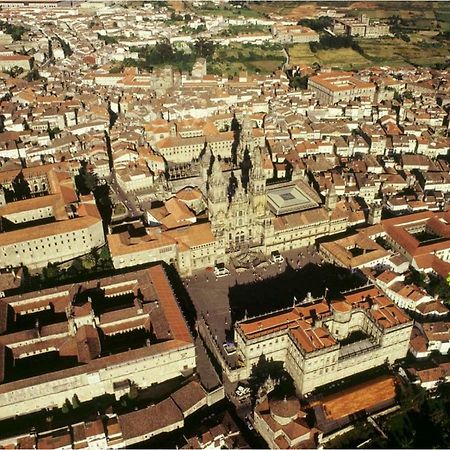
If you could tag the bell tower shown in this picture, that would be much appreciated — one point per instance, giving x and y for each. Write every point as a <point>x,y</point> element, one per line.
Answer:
<point>246,140</point>
<point>217,198</point>
<point>257,184</point>
<point>375,212</point>
<point>331,199</point>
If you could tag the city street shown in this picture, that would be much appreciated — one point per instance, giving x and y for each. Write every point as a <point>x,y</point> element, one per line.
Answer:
<point>127,200</point>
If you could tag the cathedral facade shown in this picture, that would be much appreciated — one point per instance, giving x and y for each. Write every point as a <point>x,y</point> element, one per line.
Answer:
<point>242,213</point>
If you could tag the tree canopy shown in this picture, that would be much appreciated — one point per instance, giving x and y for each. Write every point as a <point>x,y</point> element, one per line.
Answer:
<point>318,24</point>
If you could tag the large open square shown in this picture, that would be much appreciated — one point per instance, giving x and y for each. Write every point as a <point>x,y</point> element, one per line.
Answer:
<point>222,301</point>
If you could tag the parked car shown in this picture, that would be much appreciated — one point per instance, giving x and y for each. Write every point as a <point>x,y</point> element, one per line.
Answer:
<point>277,257</point>
<point>220,270</point>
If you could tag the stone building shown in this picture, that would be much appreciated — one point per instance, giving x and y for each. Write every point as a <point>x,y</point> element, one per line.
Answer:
<point>240,220</point>
<point>320,342</point>
<point>244,221</point>
<point>100,336</point>
<point>332,87</point>
<point>42,219</point>
<point>282,423</point>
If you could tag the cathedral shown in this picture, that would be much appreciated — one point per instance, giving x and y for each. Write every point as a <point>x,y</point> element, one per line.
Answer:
<point>248,216</point>
<point>239,216</point>
<point>248,219</point>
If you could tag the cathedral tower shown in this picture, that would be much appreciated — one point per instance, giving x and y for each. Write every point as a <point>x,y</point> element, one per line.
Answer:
<point>257,184</point>
<point>217,198</point>
<point>246,139</point>
<point>331,199</point>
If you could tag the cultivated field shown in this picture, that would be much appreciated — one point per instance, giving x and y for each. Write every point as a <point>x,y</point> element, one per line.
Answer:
<point>423,21</point>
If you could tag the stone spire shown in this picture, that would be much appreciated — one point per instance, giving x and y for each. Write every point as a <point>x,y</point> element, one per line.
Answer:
<point>246,137</point>
<point>217,190</point>
<point>331,199</point>
<point>239,193</point>
<point>257,172</point>
<point>216,178</point>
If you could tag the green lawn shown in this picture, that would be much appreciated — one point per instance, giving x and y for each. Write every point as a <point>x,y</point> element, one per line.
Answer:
<point>302,54</point>
<point>344,58</point>
<point>424,20</point>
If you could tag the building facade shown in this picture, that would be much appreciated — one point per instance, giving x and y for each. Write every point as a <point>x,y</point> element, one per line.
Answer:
<point>311,338</point>
<point>43,220</point>
<point>89,358</point>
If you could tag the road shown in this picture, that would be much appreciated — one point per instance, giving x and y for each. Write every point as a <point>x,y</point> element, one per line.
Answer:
<point>133,211</point>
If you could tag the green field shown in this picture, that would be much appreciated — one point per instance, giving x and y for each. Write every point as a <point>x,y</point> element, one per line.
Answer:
<point>421,50</point>
<point>237,57</point>
<point>302,54</point>
<point>343,58</point>
<point>225,11</point>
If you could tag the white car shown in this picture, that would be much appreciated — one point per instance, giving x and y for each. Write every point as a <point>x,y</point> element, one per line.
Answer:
<point>221,271</point>
<point>276,257</point>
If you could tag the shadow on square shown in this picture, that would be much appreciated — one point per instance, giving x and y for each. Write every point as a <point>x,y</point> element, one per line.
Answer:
<point>278,292</point>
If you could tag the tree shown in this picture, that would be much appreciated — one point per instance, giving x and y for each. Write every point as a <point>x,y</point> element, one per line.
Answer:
<point>85,181</point>
<point>33,75</point>
<point>51,272</point>
<point>89,262</point>
<point>52,132</point>
<point>15,71</point>
<point>163,51</point>
<point>21,187</point>
<point>15,31</point>
<point>76,267</point>
<point>317,24</point>
<point>107,39</point>
<point>417,278</point>
<point>299,82</point>
<point>261,372</point>
<point>204,48</point>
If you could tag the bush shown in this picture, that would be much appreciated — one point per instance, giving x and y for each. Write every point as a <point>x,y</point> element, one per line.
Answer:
<point>107,39</point>
<point>15,31</point>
